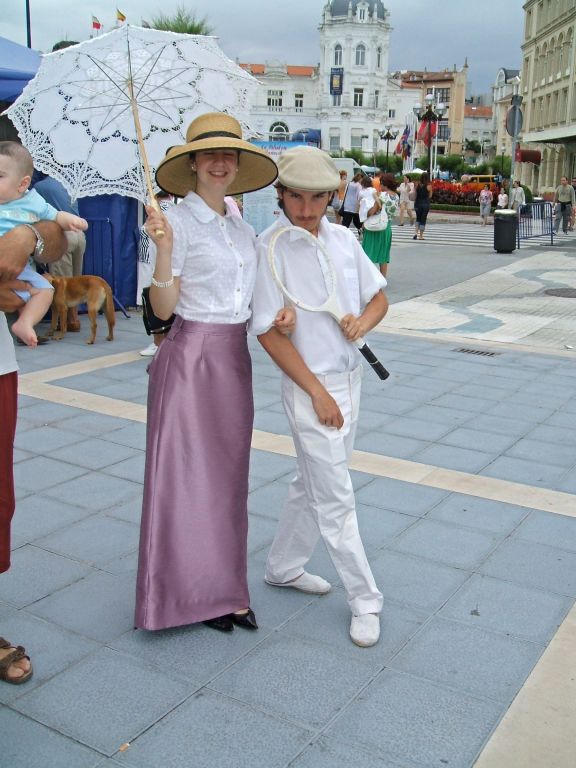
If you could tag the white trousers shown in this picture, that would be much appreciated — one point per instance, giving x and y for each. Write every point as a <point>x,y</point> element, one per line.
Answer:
<point>320,499</point>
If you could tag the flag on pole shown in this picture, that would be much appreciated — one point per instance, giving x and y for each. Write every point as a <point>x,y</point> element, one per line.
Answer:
<point>402,142</point>
<point>96,23</point>
<point>120,16</point>
<point>427,131</point>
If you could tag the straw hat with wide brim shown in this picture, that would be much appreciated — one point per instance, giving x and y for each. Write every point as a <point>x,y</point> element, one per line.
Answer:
<point>215,130</point>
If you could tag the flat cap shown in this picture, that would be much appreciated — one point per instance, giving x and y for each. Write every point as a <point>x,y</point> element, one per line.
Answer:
<point>308,168</point>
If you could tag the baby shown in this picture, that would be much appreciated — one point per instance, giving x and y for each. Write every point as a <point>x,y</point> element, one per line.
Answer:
<point>19,205</point>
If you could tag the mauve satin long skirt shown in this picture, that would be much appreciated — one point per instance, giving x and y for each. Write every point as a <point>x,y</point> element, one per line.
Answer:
<point>193,537</point>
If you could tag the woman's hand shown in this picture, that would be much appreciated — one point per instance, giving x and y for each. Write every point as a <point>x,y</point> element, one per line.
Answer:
<point>158,228</point>
<point>285,320</point>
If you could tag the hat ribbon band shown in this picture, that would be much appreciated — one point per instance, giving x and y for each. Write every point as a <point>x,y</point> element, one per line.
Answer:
<point>214,134</point>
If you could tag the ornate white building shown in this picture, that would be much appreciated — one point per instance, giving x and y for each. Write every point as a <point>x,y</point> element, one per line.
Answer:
<point>345,101</point>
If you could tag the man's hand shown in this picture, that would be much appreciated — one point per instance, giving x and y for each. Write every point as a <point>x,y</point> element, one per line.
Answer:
<point>327,410</point>
<point>10,301</point>
<point>352,327</point>
<point>17,245</point>
<point>285,320</point>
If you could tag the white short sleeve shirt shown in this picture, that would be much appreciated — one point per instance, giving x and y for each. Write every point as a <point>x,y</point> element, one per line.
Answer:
<point>317,336</point>
<point>215,258</point>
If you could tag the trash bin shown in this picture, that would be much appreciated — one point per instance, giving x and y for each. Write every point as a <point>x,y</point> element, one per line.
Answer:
<point>505,230</point>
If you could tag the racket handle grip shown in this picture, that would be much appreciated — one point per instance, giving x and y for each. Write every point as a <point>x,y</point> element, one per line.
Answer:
<point>371,358</point>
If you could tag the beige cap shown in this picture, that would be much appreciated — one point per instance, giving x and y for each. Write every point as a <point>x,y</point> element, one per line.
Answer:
<point>308,168</point>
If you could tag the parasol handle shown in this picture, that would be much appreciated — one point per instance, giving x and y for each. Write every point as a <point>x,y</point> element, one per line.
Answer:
<point>144,157</point>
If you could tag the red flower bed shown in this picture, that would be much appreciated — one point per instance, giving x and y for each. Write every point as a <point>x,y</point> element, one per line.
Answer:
<point>455,193</point>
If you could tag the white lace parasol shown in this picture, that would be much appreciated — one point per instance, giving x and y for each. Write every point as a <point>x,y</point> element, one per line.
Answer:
<point>76,116</point>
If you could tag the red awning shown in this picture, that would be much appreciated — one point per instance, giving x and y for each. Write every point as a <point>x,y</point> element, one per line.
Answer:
<point>533,156</point>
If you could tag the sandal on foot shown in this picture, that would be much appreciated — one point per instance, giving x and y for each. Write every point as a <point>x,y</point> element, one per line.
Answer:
<point>12,654</point>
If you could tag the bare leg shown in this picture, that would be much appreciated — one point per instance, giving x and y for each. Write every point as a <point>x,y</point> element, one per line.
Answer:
<point>383,269</point>
<point>37,306</point>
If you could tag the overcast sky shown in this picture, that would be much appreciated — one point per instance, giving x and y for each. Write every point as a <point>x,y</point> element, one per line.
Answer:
<point>426,33</point>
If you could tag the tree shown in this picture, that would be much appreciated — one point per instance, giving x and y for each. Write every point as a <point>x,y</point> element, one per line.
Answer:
<point>63,44</point>
<point>183,22</point>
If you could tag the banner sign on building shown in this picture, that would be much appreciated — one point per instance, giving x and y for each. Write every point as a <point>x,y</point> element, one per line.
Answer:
<point>336,77</point>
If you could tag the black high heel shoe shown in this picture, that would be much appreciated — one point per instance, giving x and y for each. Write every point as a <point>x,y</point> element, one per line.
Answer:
<point>246,620</point>
<point>221,623</point>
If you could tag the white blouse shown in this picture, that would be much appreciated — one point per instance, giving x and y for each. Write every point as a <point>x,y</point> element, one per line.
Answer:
<point>215,258</point>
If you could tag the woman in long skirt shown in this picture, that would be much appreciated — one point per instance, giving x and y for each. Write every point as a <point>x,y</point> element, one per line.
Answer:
<point>192,560</point>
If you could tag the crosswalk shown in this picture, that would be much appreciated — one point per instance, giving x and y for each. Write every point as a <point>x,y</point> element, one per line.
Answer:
<point>447,233</point>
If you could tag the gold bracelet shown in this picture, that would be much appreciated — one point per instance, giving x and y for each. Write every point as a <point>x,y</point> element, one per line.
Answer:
<point>164,283</point>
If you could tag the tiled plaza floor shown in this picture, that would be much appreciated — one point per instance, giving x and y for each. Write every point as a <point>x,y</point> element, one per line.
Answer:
<point>465,474</point>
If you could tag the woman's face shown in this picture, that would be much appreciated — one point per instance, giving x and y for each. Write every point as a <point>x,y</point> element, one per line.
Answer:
<point>215,168</point>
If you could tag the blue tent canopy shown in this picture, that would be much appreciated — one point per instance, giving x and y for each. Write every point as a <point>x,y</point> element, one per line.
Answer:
<point>18,64</point>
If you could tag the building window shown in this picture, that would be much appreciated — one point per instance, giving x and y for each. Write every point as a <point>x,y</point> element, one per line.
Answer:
<point>443,131</point>
<point>376,99</point>
<point>336,99</point>
<point>334,140</point>
<point>392,113</point>
<point>275,101</point>
<point>361,14</point>
<point>442,95</point>
<point>361,55</point>
<point>278,131</point>
<point>378,57</point>
<point>338,55</point>
<point>298,102</point>
<point>358,97</point>
<point>356,139</point>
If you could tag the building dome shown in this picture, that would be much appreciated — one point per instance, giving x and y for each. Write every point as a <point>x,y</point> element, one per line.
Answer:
<point>340,7</point>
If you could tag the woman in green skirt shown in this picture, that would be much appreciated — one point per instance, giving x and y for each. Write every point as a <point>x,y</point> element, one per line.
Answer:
<point>377,244</point>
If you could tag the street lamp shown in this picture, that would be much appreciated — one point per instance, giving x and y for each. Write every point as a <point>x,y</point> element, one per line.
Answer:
<point>502,150</point>
<point>388,135</point>
<point>364,136</point>
<point>432,114</point>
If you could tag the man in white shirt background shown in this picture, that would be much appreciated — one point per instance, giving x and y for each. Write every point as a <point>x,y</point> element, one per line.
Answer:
<point>320,388</point>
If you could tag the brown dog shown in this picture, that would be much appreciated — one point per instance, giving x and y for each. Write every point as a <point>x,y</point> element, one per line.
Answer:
<point>71,291</point>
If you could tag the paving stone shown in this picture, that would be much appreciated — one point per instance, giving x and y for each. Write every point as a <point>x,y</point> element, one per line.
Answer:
<point>510,609</point>
<point>416,722</point>
<point>400,496</point>
<point>38,515</point>
<point>96,491</point>
<point>450,544</point>
<point>306,682</point>
<point>94,453</point>
<point>100,606</point>
<point>35,573</point>
<point>554,530</point>
<point>555,454</point>
<point>27,744</point>
<point>523,471</point>
<point>389,445</point>
<point>95,540</point>
<point>489,442</point>
<point>537,565</point>
<point>460,459</point>
<point>483,514</point>
<point>325,753</point>
<point>212,730</point>
<point>42,473</point>
<point>120,698</point>
<point>471,659</point>
<point>420,583</point>
<point>421,430</point>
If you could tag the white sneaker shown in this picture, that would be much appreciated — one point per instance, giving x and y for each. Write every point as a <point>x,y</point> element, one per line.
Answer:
<point>365,629</point>
<point>307,582</point>
<point>150,350</point>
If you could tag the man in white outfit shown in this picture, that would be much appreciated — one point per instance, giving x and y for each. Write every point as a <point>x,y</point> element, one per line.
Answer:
<point>320,388</point>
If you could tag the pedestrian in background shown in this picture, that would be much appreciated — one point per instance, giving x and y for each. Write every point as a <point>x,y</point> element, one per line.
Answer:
<point>422,205</point>
<point>338,197</point>
<point>351,203</point>
<point>502,199</point>
<point>517,196</point>
<point>564,205</point>
<point>406,191</point>
<point>485,200</point>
